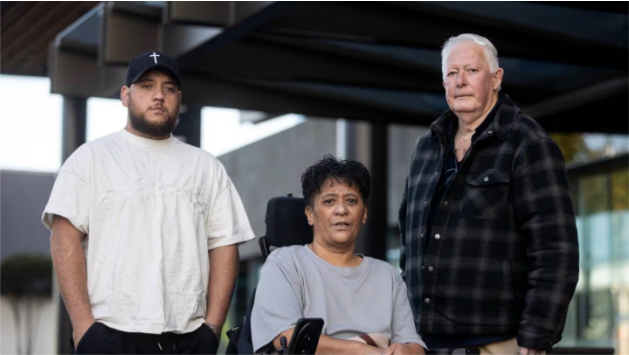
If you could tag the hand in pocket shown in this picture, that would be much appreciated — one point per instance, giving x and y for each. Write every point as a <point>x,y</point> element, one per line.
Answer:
<point>79,331</point>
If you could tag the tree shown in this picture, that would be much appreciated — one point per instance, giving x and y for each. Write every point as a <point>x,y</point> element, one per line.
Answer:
<point>572,145</point>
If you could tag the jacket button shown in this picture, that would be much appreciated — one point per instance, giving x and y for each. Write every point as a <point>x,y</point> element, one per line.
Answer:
<point>437,236</point>
<point>430,268</point>
<point>436,173</point>
<point>490,132</point>
<point>486,178</point>
<point>445,203</point>
<point>427,300</point>
<point>425,202</point>
<point>421,235</point>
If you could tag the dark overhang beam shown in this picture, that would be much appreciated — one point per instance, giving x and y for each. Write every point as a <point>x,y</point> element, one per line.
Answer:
<point>390,24</point>
<point>249,16</point>
<point>286,63</point>
<point>618,162</point>
<point>577,98</point>
<point>211,13</point>
<point>89,58</point>
<point>128,30</point>
<point>287,60</point>
<point>391,101</point>
<point>179,39</point>
<point>284,98</point>
<point>84,34</point>
<point>618,7</point>
<point>417,68</point>
<point>479,14</point>
<point>607,115</point>
<point>356,50</point>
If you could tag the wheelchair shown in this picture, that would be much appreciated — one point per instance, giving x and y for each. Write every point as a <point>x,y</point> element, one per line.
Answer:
<point>286,225</point>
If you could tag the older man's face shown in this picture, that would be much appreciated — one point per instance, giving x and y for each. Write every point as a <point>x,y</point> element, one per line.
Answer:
<point>470,85</point>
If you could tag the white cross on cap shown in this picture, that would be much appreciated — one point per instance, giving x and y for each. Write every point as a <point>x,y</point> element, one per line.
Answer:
<point>154,56</point>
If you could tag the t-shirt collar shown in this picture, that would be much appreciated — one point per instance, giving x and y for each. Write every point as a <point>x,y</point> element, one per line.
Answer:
<point>339,269</point>
<point>135,139</point>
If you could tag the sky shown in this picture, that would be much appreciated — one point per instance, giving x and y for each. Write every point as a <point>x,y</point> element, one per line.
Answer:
<point>30,137</point>
<point>30,126</point>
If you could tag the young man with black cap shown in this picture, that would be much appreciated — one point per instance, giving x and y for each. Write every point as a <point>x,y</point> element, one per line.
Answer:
<point>145,229</point>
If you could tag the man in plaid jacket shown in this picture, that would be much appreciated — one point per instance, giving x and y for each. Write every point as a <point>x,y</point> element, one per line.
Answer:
<point>489,246</point>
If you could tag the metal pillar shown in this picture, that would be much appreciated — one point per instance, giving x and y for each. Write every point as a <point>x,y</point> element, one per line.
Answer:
<point>74,124</point>
<point>188,128</point>
<point>73,136</point>
<point>378,207</point>
<point>368,144</point>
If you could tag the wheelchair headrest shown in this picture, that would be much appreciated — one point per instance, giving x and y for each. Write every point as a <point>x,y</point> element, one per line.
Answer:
<point>286,222</point>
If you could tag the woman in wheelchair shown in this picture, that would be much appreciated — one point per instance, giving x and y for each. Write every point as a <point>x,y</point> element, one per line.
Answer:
<point>362,300</point>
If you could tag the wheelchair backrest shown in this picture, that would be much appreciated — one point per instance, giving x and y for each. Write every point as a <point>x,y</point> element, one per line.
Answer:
<point>286,224</point>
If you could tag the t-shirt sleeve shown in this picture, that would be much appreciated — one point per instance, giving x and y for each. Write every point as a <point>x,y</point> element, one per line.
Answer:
<point>278,303</point>
<point>70,196</point>
<point>227,222</point>
<point>403,326</point>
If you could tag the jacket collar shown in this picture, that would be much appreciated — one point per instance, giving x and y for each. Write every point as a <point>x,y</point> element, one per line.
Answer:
<point>500,126</point>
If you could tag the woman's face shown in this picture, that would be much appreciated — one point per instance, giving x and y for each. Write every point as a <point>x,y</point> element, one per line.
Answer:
<point>337,214</point>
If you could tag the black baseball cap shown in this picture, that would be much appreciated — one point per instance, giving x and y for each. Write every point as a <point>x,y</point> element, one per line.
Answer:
<point>152,60</point>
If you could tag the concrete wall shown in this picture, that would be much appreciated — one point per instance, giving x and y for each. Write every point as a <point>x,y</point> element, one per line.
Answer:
<point>402,141</point>
<point>273,166</point>
<point>23,196</point>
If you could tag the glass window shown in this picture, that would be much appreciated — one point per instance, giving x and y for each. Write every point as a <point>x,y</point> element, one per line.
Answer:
<point>599,312</point>
<point>598,321</point>
<point>104,116</point>
<point>595,194</point>
<point>620,190</point>
<point>222,130</point>
<point>30,138</point>
<point>393,246</point>
<point>580,147</point>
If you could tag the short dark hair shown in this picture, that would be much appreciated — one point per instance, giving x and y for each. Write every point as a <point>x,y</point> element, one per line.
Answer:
<point>343,171</point>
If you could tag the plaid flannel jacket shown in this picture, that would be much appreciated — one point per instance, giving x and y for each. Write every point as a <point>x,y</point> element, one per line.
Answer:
<point>503,254</point>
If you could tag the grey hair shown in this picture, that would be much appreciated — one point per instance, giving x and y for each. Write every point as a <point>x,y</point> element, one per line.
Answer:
<point>491,54</point>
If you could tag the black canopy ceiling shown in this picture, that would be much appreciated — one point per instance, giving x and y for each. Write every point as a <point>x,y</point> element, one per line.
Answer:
<point>566,64</point>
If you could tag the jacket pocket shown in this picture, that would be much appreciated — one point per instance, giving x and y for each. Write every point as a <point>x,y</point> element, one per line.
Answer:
<point>485,195</point>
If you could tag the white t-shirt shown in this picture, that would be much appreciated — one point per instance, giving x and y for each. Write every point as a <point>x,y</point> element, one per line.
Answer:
<point>151,211</point>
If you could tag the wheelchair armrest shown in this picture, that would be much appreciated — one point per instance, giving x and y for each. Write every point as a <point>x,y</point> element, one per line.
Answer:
<point>305,338</point>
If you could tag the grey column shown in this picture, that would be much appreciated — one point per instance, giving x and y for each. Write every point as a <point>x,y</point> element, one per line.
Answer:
<point>73,136</point>
<point>74,124</point>
<point>368,143</point>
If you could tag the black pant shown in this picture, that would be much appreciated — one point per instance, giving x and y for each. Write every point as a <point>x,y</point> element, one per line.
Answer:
<point>101,339</point>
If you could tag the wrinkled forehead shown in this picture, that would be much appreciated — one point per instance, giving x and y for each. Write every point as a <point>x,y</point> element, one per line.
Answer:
<point>337,185</point>
<point>466,54</point>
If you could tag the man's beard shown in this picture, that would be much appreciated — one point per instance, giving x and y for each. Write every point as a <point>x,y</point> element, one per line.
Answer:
<point>153,129</point>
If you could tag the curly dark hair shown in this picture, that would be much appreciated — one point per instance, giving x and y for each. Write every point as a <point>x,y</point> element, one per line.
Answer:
<point>343,171</point>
